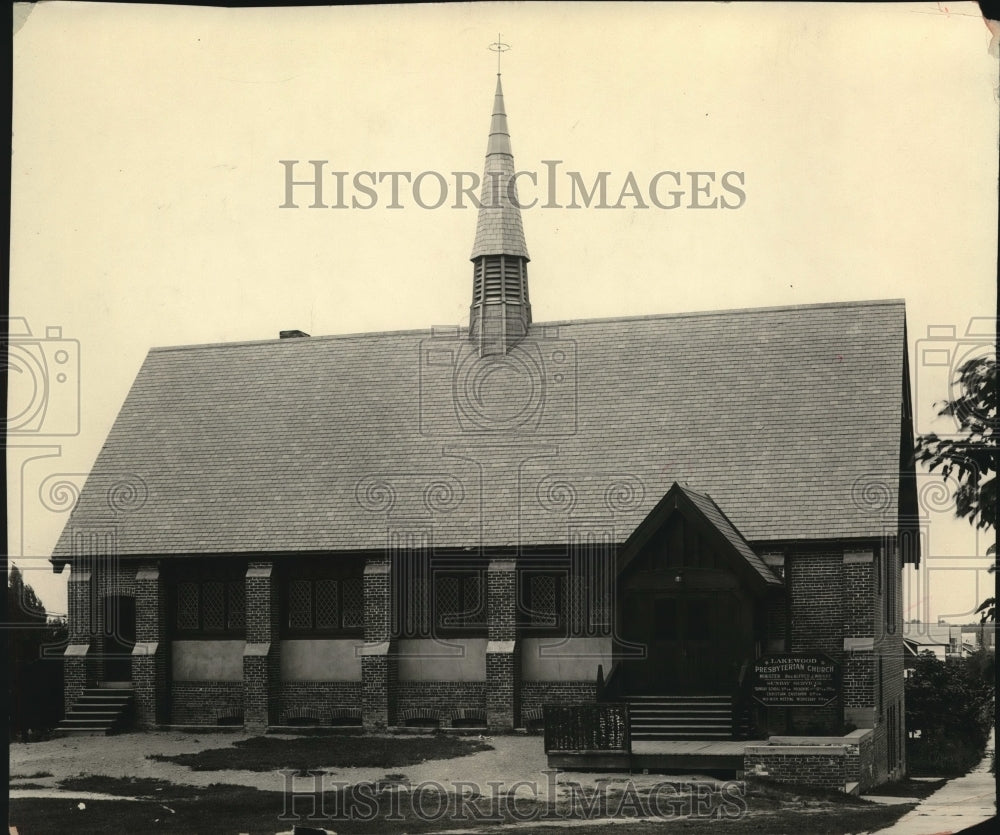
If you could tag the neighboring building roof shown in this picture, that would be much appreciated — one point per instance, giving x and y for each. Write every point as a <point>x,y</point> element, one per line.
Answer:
<point>928,640</point>
<point>790,417</point>
<point>932,634</point>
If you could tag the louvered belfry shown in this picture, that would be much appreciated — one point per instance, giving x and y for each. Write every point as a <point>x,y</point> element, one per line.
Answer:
<point>500,313</point>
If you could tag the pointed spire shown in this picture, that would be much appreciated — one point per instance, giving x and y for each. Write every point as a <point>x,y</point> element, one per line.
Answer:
<point>500,313</point>
<point>499,230</point>
<point>499,135</point>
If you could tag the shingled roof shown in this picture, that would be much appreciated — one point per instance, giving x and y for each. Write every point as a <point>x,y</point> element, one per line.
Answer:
<point>789,417</point>
<point>705,508</point>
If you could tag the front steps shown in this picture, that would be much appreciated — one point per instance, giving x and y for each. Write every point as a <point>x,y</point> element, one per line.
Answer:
<point>98,710</point>
<point>681,717</point>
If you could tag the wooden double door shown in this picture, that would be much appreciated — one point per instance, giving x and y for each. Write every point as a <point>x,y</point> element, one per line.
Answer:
<point>695,641</point>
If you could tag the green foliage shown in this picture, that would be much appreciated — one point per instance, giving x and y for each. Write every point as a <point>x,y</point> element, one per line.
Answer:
<point>34,676</point>
<point>951,704</point>
<point>971,455</point>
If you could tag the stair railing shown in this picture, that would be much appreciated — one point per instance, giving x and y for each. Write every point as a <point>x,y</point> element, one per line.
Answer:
<point>742,702</point>
<point>609,689</point>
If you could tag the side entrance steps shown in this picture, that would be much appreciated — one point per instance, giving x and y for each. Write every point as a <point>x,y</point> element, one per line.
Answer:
<point>681,717</point>
<point>98,711</point>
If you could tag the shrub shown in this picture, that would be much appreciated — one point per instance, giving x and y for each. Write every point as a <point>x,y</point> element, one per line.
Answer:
<point>951,704</point>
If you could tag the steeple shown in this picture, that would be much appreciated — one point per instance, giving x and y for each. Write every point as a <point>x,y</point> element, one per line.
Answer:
<point>500,312</point>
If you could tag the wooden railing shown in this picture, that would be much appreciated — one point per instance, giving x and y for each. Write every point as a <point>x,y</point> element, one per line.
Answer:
<point>603,726</point>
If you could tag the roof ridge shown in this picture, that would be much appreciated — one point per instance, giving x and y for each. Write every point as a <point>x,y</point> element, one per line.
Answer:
<point>461,329</point>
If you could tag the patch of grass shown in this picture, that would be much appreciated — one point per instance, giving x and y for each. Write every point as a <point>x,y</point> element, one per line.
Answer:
<point>217,808</point>
<point>841,823</point>
<point>213,809</point>
<point>131,787</point>
<point>35,775</point>
<point>265,753</point>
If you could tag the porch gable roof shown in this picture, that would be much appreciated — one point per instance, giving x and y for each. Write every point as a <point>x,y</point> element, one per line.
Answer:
<point>684,499</point>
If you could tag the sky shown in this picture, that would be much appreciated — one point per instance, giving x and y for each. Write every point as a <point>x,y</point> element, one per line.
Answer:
<point>147,192</point>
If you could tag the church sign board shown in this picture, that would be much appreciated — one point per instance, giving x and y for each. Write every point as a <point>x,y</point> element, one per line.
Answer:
<point>795,680</point>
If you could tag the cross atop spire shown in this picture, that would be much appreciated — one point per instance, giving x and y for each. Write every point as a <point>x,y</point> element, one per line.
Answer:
<point>499,48</point>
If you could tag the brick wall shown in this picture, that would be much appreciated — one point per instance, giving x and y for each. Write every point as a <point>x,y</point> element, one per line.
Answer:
<point>816,598</point>
<point>861,610</point>
<point>503,655</point>
<point>149,669</point>
<point>261,659</point>
<point>807,765</point>
<point>816,605</point>
<point>440,700</point>
<point>379,666</point>
<point>776,623</point>
<point>205,702</point>
<point>79,667</point>
<point>322,700</point>
<point>534,694</point>
<point>889,647</point>
<point>865,767</point>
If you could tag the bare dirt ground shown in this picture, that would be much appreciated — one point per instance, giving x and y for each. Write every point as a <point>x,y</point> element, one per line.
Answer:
<point>174,798</point>
<point>514,758</point>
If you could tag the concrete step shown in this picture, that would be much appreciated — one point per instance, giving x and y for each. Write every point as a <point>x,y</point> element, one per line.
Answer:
<point>681,717</point>
<point>674,700</point>
<point>97,711</point>
<point>681,737</point>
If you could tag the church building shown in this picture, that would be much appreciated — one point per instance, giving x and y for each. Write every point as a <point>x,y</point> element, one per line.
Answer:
<point>688,526</point>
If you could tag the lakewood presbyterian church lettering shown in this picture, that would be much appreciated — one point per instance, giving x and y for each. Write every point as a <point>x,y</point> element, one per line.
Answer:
<point>795,681</point>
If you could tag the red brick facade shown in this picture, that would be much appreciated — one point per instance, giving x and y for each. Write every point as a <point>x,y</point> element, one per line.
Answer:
<point>840,599</point>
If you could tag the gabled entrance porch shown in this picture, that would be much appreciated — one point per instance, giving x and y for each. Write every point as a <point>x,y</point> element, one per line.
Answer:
<point>690,623</point>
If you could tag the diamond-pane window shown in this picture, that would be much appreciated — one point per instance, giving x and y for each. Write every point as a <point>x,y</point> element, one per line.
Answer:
<point>542,591</point>
<point>447,599</point>
<point>236,610</point>
<point>473,601</point>
<point>300,604</point>
<point>187,606</point>
<point>600,612</point>
<point>327,605</point>
<point>213,606</point>
<point>419,613</point>
<point>353,590</point>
